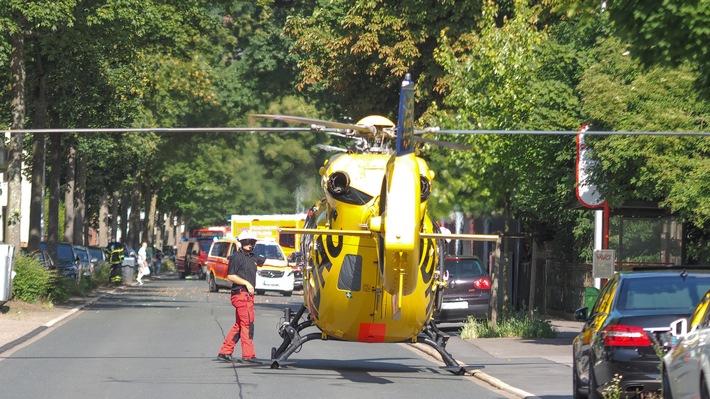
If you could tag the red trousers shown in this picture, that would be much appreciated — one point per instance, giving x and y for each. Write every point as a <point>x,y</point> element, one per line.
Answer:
<point>243,326</point>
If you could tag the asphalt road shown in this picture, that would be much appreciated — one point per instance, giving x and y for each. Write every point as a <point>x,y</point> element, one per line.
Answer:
<point>160,341</point>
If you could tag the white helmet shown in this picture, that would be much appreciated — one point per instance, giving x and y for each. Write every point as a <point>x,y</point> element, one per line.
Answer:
<point>246,235</point>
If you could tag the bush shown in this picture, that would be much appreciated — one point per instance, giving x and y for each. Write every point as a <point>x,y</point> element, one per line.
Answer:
<point>102,273</point>
<point>515,325</point>
<point>167,265</point>
<point>33,281</point>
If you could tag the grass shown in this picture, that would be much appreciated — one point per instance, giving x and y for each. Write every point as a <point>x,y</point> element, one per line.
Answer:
<point>514,325</point>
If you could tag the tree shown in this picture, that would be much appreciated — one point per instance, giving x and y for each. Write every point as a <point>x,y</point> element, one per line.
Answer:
<point>15,18</point>
<point>497,78</point>
<point>619,94</point>
<point>658,33</point>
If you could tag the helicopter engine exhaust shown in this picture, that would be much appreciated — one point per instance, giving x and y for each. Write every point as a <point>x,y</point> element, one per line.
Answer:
<point>338,183</point>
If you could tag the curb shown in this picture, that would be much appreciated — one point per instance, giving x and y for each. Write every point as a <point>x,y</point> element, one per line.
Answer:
<point>480,375</point>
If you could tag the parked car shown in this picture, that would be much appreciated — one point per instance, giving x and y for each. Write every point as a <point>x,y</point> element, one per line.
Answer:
<point>85,265</point>
<point>218,262</point>
<point>66,259</point>
<point>686,367</point>
<point>633,310</point>
<point>468,290</point>
<point>191,258</point>
<point>97,256</point>
<point>275,274</point>
<point>43,256</point>
<point>295,260</point>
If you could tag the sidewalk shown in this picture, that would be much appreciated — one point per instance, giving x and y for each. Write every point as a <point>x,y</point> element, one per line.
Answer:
<point>527,368</point>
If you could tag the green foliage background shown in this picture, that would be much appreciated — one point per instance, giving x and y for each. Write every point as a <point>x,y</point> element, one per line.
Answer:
<point>513,64</point>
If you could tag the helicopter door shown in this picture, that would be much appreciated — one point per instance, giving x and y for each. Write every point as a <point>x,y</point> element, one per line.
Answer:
<point>350,277</point>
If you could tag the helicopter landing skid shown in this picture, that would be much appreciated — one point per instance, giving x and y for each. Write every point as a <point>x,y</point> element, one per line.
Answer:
<point>290,330</point>
<point>435,338</point>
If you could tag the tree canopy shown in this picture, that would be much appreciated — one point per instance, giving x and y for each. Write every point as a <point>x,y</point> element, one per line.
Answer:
<point>514,64</point>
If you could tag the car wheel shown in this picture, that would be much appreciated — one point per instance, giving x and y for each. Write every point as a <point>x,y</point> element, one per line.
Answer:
<point>286,293</point>
<point>212,283</point>
<point>201,275</point>
<point>704,392</point>
<point>575,382</point>
<point>593,393</point>
<point>665,385</point>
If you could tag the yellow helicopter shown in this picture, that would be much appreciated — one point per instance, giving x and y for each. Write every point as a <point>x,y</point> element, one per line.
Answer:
<point>373,271</point>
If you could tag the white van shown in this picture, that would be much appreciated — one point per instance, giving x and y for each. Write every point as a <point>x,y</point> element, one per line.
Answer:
<point>275,274</point>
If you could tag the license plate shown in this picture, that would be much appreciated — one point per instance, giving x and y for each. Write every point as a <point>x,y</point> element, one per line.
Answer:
<point>454,305</point>
<point>271,285</point>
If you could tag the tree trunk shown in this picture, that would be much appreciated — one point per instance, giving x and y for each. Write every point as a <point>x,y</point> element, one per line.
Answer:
<point>69,194</point>
<point>169,232</point>
<point>115,199</point>
<point>38,161</point>
<point>54,193</point>
<point>123,225</point>
<point>135,217</point>
<point>147,201</point>
<point>150,218</point>
<point>80,199</point>
<point>160,225</point>
<point>103,238</point>
<point>14,171</point>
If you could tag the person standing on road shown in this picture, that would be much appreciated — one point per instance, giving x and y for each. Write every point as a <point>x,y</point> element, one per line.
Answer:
<point>242,273</point>
<point>142,262</point>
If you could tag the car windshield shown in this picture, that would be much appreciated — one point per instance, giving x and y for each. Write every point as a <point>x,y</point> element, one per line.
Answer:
<point>65,253</point>
<point>269,251</point>
<point>82,254</point>
<point>205,245</point>
<point>662,292</point>
<point>464,268</point>
<point>96,253</point>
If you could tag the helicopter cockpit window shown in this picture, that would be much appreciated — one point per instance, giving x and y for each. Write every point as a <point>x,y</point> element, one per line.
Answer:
<point>350,277</point>
<point>353,196</point>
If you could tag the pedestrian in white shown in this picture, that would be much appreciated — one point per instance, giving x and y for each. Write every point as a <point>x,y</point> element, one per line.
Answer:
<point>143,269</point>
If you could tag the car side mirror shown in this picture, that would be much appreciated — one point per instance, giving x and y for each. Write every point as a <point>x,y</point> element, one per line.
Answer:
<point>581,314</point>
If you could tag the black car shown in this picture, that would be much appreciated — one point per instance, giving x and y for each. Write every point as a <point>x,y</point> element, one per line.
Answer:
<point>625,330</point>
<point>67,261</point>
<point>468,290</point>
<point>43,256</point>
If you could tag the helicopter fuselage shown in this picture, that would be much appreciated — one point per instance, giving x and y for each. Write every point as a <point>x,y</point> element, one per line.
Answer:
<point>347,289</point>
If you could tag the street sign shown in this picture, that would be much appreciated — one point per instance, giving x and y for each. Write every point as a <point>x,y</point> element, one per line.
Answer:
<point>603,264</point>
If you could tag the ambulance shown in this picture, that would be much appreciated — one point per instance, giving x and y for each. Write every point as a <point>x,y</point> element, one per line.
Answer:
<point>266,227</point>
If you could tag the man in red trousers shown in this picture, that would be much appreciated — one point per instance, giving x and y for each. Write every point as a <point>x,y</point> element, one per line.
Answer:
<point>242,273</point>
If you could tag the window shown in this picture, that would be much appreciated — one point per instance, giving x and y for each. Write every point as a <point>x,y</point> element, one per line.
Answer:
<point>662,292</point>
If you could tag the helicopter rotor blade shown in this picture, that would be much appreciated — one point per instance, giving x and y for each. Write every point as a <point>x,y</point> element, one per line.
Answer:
<point>326,147</point>
<point>436,130</point>
<point>446,144</point>
<point>312,121</point>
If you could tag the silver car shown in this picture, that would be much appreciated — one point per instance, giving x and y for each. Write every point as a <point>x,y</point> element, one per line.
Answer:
<point>686,367</point>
